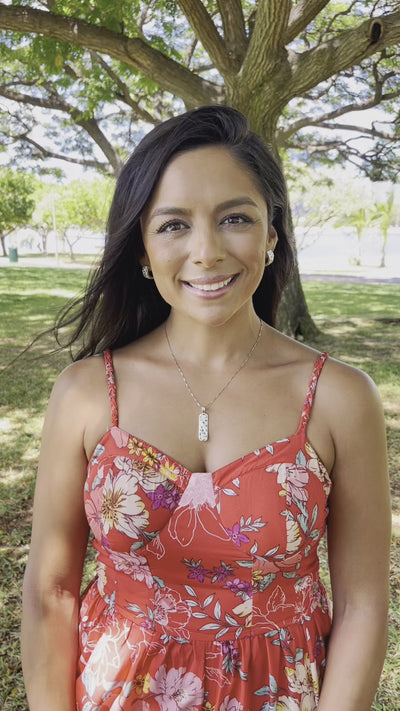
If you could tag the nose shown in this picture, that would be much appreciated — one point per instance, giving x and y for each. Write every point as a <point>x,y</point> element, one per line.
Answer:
<point>207,245</point>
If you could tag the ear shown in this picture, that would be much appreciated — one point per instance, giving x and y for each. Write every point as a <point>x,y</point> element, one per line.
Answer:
<point>272,238</point>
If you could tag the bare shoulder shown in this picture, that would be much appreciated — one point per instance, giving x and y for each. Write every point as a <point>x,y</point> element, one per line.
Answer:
<point>350,401</point>
<point>348,386</point>
<point>341,382</point>
<point>80,385</point>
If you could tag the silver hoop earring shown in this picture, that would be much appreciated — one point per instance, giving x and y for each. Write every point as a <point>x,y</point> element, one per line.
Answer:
<point>270,258</point>
<point>147,273</point>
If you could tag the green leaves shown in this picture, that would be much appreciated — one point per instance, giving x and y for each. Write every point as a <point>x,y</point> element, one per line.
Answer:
<point>16,204</point>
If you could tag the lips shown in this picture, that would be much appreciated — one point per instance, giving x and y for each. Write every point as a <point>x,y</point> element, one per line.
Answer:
<point>211,284</point>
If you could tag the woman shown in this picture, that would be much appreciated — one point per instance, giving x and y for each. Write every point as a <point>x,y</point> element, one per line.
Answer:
<point>203,448</point>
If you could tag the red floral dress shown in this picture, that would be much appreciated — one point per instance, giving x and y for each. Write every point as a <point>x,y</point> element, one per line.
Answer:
<point>207,595</point>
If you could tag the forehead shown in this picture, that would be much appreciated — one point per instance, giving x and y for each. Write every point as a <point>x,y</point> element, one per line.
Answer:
<point>205,172</point>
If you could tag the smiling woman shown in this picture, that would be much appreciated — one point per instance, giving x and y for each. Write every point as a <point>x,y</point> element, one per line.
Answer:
<point>207,253</point>
<point>204,450</point>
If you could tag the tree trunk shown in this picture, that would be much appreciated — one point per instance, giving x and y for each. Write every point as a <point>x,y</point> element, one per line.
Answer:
<point>3,244</point>
<point>359,258</point>
<point>293,315</point>
<point>294,318</point>
<point>383,252</point>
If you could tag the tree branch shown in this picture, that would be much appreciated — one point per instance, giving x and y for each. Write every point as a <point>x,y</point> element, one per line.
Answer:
<point>134,52</point>
<point>350,47</point>
<point>329,115</point>
<point>301,15</point>
<point>234,30</point>
<point>90,125</point>
<point>45,153</point>
<point>266,48</point>
<point>124,92</point>
<point>204,28</point>
<point>361,130</point>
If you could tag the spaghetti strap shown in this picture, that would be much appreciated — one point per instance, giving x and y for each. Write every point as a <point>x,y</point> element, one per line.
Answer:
<point>112,390</point>
<point>306,411</point>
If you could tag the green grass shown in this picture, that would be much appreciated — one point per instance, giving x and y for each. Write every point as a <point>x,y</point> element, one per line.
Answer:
<point>340,300</point>
<point>359,323</point>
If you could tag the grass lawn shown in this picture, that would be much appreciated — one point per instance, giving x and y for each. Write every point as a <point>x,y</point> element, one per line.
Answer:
<point>359,324</point>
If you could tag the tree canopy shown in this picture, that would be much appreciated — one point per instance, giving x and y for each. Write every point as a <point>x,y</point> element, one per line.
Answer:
<point>16,204</point>
<point>299,70</point>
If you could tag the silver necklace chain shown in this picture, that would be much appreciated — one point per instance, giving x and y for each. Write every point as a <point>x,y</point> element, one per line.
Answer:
<point>203,417</point>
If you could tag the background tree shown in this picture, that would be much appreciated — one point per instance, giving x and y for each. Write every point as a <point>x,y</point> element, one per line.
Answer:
<point>385,214</point>
<point>294,68</point>
<point>73,210</point>
<point>359,217</point>
<point>16,204</point>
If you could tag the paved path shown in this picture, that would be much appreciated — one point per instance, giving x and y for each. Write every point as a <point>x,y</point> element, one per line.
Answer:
<point>351,278</point>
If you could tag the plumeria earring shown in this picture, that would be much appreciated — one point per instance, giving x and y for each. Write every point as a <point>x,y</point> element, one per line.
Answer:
<point>147,273</point>
<point>270,257</point>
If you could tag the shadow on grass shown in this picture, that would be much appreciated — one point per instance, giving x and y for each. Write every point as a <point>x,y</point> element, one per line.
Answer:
<point>339,300</point>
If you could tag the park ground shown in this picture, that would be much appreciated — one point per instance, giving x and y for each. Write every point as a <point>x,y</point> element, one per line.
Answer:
<point>357,313</point>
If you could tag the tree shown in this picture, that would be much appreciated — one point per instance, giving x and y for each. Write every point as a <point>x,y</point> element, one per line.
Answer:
<point>384,214</point>
<point>294,68</point>
<point>360,218</point>
<point>80,206</point>
<point>16,204</point>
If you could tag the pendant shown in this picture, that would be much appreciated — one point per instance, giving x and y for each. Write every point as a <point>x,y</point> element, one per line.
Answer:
<point>203,425</point>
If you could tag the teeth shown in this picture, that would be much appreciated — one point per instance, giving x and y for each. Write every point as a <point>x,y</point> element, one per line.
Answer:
<point>212,287</point>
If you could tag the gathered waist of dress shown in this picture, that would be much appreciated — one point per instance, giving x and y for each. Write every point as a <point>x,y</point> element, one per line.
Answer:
<point>225,612</point>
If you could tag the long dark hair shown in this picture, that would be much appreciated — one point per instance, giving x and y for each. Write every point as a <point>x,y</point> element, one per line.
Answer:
<point>120,305</point>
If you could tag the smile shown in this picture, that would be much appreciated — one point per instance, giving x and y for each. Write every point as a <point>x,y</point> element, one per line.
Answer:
<point>211,286</point>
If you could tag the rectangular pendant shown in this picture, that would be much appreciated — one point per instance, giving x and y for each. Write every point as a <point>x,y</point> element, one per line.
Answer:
<point>203,426</point>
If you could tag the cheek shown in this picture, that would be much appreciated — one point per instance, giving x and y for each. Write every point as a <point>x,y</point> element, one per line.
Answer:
<point>163,253</point>
<point>253,253</point>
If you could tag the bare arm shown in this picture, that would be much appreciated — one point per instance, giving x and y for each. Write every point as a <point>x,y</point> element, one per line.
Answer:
<point>59,538</point>
<point>358,544</point>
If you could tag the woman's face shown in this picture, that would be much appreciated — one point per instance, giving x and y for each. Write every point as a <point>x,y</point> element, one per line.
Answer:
<point>205,233</point>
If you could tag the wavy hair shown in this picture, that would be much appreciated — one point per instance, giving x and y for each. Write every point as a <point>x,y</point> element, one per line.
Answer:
<point>119,305</point>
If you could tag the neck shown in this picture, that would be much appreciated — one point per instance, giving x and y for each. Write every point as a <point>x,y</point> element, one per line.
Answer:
<point>215,347</point>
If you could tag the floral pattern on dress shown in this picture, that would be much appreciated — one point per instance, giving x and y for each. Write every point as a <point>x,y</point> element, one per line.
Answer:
<point>207,595</point>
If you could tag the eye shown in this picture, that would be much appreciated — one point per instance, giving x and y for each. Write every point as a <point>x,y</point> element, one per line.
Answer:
<point>171,226</point>
<point>237,219</point>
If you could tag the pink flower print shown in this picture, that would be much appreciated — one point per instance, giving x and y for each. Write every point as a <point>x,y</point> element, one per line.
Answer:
<point>93,506</point>
<point>231,705</point>
<point>236,536</point>
<point>120,437</point>
<point>176,690</point>
<point>196,507</point>
<point>103,663</point>
<point>134,565</point>
<point>293,478</point>
<point>121,508</point>
<point>171,613</point>
<point>315,466</point>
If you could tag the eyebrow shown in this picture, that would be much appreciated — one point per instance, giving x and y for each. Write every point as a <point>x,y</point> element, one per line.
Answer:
<point>235,202</point>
